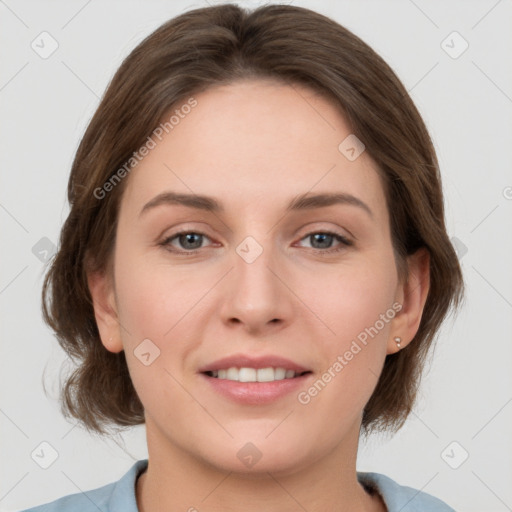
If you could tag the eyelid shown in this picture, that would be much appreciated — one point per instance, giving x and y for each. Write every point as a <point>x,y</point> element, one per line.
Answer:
<point>166,239</point>
<point>313,227</point>
<point>344,242</point>
<point>309,229</point>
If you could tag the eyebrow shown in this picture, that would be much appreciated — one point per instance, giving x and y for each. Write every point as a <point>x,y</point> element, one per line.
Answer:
<point>302,202</point>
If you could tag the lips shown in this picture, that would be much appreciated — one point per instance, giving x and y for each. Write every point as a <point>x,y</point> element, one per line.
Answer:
<point>245,374</point>
<point>243,361</point>
<point>246,380</point>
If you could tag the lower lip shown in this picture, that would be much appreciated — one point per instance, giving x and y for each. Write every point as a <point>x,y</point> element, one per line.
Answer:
<point>256,393</point>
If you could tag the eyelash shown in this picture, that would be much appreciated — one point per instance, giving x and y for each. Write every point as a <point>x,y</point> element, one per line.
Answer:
<point>345,242</point>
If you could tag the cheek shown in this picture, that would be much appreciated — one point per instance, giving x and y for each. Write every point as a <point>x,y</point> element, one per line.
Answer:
<point>357,296</point>
<point>162,304</point>
<point>153,297</point>
<point>152,306</point>
<point>356,305</point>
<point>353,356</point>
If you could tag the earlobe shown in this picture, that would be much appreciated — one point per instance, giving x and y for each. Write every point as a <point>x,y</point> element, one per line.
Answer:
<point>105,312</point>
<point>412,296</point>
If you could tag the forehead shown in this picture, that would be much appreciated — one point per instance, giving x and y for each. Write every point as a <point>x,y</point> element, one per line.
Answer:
<point>255,142</point>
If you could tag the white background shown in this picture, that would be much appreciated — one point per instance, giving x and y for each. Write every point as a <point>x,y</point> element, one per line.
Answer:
<point>45,105</point>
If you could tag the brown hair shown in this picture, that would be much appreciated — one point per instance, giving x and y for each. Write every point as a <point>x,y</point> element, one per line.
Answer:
<point>216,46</point>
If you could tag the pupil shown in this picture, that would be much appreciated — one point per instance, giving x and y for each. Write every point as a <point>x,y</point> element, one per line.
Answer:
<point>189,238</point>
<point>323,237</point>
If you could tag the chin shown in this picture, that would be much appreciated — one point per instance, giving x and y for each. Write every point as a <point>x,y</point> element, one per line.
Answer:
<point>255,456</point>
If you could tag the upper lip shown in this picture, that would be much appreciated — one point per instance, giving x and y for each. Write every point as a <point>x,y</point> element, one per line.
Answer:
<point>246,361</point>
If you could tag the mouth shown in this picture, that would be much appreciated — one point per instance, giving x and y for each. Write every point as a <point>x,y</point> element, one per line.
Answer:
<point>248,374</point>
<point>241,385</point>
<point>254,380</point>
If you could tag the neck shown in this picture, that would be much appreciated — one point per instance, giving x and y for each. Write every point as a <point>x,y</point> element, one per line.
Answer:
<point>177,481</point>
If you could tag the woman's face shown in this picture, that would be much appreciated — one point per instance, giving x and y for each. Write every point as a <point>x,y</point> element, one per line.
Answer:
<point>314,284</point>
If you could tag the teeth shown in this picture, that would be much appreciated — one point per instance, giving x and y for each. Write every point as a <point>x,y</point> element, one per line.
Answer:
<point>243,375</point>
<point>280,373</point>
<point>253,374</point>
<point>232,374</point>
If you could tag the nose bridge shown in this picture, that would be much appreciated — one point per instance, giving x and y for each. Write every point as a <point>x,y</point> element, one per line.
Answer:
<point>255,284</point>
<point>256,296</point>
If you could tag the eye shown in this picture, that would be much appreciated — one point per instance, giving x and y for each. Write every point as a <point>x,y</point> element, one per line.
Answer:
<point>322,241</point>
<point>188,242</point>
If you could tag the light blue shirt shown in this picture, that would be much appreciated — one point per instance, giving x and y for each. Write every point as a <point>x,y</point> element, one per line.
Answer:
<point>120,496</point>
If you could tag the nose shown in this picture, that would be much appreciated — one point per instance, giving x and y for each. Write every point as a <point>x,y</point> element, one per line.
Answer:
<point>256,297</point>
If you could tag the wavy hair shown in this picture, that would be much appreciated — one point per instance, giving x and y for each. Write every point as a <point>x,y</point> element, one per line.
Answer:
<point>218,45</point>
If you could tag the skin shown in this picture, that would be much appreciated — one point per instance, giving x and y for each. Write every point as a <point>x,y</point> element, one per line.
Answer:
<point>254,145</point>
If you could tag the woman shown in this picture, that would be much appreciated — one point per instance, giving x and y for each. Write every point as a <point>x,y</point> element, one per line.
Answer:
<point>255,266</point>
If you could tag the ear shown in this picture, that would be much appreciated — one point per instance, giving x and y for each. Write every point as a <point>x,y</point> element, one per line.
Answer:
<point>412,295</point>
<point>105,310</point>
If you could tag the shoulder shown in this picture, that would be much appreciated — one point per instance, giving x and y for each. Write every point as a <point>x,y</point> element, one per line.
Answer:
<point>400,497</point>
<point>89,501</point>
<point>115,497</point>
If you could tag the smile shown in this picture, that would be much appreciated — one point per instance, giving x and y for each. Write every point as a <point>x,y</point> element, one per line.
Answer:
<point>246,374</point>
